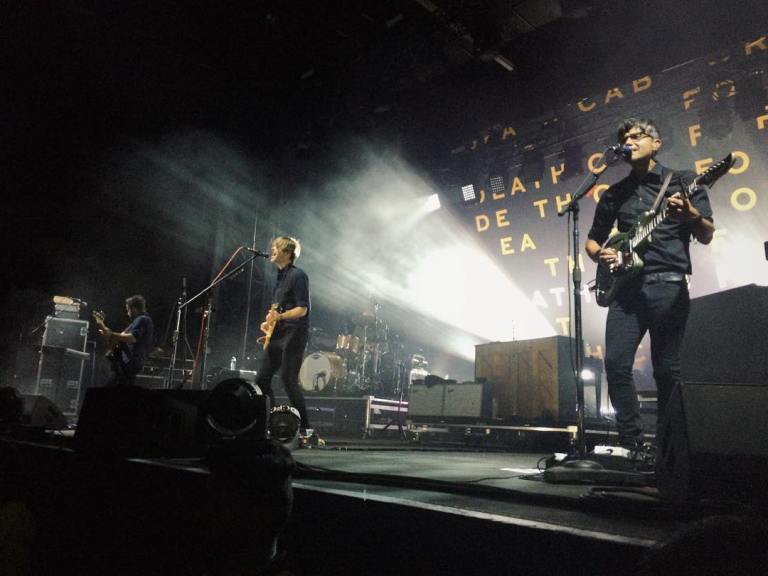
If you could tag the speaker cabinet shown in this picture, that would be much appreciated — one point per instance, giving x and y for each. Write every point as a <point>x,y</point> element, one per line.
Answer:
<point>426,400</point>
<point>451,400</point>
<point>725,337</point>
<point>534,379</point>
<point>714,443</point>
<point>137,422</point>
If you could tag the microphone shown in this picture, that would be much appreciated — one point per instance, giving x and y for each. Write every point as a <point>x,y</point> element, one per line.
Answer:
<point>257,252</point>
<point>621,150</point>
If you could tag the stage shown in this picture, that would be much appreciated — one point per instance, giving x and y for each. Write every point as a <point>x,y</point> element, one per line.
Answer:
<point>374,506</point>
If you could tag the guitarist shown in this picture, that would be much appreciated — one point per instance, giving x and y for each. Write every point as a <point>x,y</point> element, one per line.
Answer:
<point>131,346</point>
<point>286,326</point>
<point>656,300</point>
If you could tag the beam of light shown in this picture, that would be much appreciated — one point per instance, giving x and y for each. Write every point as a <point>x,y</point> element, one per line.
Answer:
<point>186,181</point>
<point>426,270</point>
<point>744,239</point>
<point>431,204</point>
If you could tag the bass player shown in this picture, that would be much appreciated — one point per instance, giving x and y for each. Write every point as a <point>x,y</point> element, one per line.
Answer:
<point>131,346</point>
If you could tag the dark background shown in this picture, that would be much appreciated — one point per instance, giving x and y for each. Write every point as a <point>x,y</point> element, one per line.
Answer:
<point>100,100</point>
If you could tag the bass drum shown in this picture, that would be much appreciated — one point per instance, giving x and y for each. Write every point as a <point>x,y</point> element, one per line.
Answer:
<point>322,371</point>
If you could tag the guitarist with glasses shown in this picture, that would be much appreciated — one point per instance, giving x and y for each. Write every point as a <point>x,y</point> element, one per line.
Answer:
<point>654,297</point>
<point>286,326</point>
<point>131,346</point>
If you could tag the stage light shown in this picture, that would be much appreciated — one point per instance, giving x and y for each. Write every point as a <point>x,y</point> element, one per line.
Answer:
<point>284,423</point>
<point>432,203</point>
<point>587,375</point>
<point>504,62</point>
<point>497,184</point>
<point>238,409</point>
<point>468,193</point>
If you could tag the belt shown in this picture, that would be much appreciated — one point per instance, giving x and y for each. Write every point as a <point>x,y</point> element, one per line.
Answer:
<point>652,277</point>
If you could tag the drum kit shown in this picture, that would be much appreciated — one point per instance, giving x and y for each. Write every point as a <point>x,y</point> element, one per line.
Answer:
<point>365,358</point>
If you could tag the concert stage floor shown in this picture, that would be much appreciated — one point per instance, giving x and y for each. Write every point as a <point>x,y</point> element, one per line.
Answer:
<point>454,511</point>
<point>364,506</point>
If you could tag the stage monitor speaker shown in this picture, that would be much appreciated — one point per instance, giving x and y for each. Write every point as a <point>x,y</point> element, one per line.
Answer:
<point>29,411</point>
<point>714,443</point>
<point>40,412</point>
<point>131,421</point>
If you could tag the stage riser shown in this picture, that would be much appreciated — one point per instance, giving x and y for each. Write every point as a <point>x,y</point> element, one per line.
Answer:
<point>359,535</point>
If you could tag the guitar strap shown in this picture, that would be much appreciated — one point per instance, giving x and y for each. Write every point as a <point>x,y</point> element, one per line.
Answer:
<point>663,189</point>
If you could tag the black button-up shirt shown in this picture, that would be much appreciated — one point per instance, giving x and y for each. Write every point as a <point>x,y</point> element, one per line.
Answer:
<point>291,290</point>
<point>624,202</point>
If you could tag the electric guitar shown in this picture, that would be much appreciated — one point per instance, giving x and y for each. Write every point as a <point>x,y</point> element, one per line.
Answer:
<point>115,355</point>
<point>629,246</point>
<point>268,330</point>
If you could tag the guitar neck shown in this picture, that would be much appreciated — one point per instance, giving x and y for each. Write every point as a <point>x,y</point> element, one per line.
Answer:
<point>642,232</point>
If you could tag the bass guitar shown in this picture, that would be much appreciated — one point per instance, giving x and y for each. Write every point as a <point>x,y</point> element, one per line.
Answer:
<point>629,246</point>
<point>115,354</point>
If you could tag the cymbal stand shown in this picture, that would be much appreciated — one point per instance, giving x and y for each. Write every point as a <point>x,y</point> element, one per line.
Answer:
<point>363,357</point>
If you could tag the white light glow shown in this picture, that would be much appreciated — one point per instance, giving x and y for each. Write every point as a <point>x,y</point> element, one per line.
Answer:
<point>429,274</point>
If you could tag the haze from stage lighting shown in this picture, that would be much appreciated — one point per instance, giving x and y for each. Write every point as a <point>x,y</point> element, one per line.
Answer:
<point>373,234</point>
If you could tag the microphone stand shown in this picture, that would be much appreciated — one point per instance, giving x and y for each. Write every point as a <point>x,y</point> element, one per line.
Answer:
<point>183,305</point>
<point>576,466</point>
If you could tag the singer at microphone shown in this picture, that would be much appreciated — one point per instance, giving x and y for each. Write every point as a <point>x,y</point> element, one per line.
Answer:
<point>257,252</point>
<point>621,150</point>
<point>653,301</point>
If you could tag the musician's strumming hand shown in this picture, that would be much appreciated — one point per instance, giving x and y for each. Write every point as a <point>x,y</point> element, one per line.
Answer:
<point>608,256</point>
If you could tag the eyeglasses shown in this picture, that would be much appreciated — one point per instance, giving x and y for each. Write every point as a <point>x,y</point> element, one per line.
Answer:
<point>635,136</point>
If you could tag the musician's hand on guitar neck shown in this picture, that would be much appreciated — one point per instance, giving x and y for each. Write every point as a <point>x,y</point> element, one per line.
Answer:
<point>681,208</point>
<point>273,316</point>
<point>102,328</point>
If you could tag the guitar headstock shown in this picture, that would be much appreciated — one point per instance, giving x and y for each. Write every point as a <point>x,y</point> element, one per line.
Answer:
<point>99,316</point>
<point>714,172</point>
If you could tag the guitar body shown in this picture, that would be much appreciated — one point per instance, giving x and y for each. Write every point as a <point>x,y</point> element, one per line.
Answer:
<point>268,330</point>
<point>610,279</point>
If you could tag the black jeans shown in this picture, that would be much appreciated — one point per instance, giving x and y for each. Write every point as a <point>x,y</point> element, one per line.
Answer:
<point>645,305</point>
<point>285,354</point>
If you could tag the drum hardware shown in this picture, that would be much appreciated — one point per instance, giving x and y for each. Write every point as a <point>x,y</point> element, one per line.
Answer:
<point>347,343</point>
<point>320,340</point>
<point>322,372</point>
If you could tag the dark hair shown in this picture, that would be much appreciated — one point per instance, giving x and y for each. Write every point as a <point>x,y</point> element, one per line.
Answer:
<point>137,302</point>
<point>646,125</point>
